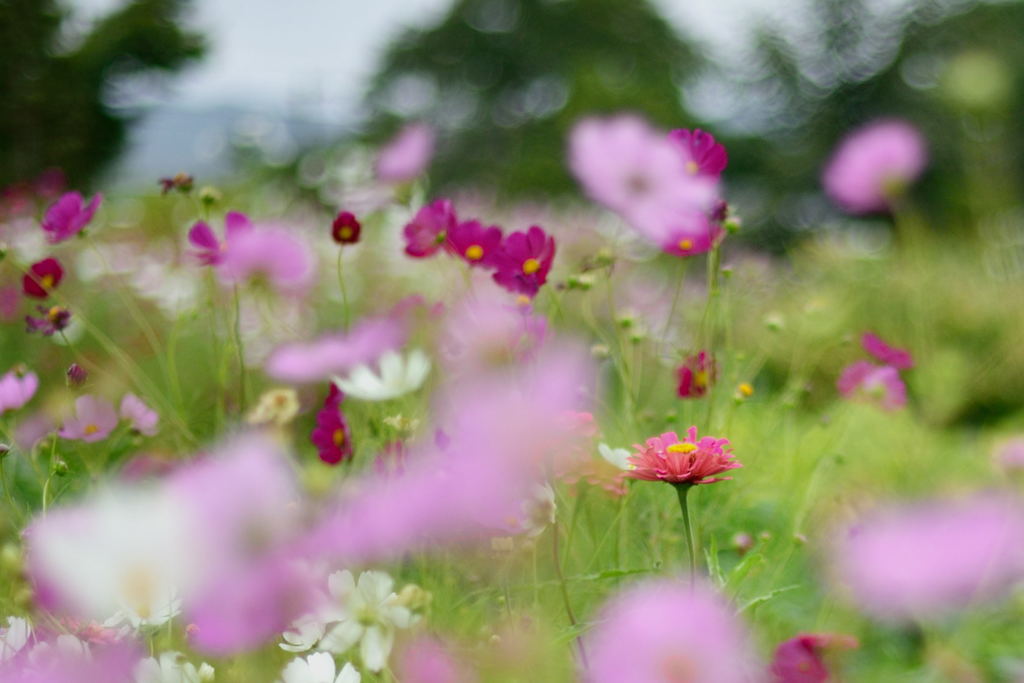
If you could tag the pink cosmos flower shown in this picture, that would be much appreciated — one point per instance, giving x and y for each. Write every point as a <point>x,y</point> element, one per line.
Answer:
<point>407,155</point>
<point>269,253</point>
<point>335,354</point>
<point>928,559</point>
<point>874,163</point>
<point>696,374</point>
<point>879,383</point>
<point>887,355</point>
<point>691,233</point>
<point>67,216</point>
<point>427,660</point>
<point>488,331</point>
<point>94,419</point>
<point>682,461</point>
<point>639,173</point>
<point>668,630</point>
<point>144,420</point>
<point>799,659</point>
<point>33,428</point>
<point>42,277</point>
<point>524,261</point>
<point>65,659</point>
<point>332,437</point>
<point>16,389</point>
<point>209,249</point>
<point>475,244</point>
<point>701,153</point>
<point>429,228</point>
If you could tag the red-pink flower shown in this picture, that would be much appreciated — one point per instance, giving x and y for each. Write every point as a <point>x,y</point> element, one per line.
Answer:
<point>428,230</point>
<point>209,249</point>
<point>888,355</point>
<point>475,244</point>
<point>53,320</point>
<point>881,383</point>
<point>682,461</point>
<point>696,374</point>
<point>702,154</point>
<point>68,216</point>
<point>799,659</point>
<point>346,229</point>
<point>42,278</point>
<point>524,261</point>
<point>332,437</point>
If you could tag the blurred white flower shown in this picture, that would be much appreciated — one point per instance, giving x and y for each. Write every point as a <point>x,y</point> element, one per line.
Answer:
<point>396,375</point>
<point>366,613</point>
<point>616,456</point>
<point>14,637</point>
<point>318,668</point>
<point>172,667</point>
<point>303,633</point>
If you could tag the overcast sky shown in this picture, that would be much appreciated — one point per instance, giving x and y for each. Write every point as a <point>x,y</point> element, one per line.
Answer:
<point>314,56</point>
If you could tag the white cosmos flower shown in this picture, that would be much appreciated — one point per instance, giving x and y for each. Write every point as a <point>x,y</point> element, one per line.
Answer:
<point>616,456</point>
<point>172,667</point>
<point>303,633</point>
<point>318,668</point>
<point>396,375</point>
<point>14,637</point>
<point>366,613</point>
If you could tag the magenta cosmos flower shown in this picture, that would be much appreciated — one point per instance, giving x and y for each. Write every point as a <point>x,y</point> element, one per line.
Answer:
<point>682,461</point>
<point>270,254</point>
<point>873,164</point>
<point>702,154</point>
<point>888,355</point>
<point>142,418</point>
<point>332,437</point>
<point>42,278</point>
<point>878,383</point>
<point>346,229</point>
<point>928,559</point>
<point>16,389</point>
<point>668,630</point>
<point>94,419</point>
<point>53,320</point>
<point>475,244</point>
<point>696,374</point>
<point>209,249</point>
<point>68,216</point>
<point>407,155</point>
<point>801,658</point>
<point>428,230</point>
<point>524,261</point>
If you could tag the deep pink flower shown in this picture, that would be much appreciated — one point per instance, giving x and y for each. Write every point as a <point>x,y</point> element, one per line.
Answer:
<point>931,558</point>
<point>799,659</point>
<point>94,419</point>
<point>475,244</point>
<point>53,320</point>
<point>696,374</point>
<point>873,164</point>
<point>701,153</point>
<point>429,228</point>
<point>42,278</point>
<point>345,229</point>
<point>16,389</point>
<point>524,261</point>
<point>209,249</point>
<point>887,355</point>
<point>881,383</point>
<point>668,630</point>
<point>144,420</point>
<point>682,461</point>
<point>270,254</point>
<point>690,234</point>
<point>332,437</point>
<point>67,216</point>
<point>407,155</point>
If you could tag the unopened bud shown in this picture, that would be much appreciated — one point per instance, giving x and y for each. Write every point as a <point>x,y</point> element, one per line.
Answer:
<point>60,468</point>
<point>76,375</point>
<point>209,195</point>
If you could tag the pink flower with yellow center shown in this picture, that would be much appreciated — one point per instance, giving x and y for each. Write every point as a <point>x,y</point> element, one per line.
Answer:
<point>682,461</point>
<point>475,244</point>
<point>94,419</point>
<point>525,260</point>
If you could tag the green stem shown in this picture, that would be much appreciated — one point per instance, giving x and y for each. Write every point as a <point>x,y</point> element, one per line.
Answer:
<point>240,351</point>
<point>682,490</point>
<point>344,293</point>
<point>565,591</point>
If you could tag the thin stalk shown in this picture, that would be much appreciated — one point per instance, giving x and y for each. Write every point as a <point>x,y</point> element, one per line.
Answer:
<point>344,293</point>
<point>682,490</point>
<point>565,591</point>
<point>240,351</point>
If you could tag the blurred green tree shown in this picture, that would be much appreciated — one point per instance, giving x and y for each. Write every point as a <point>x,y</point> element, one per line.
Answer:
<point>504,80</point>
<point>56,108</point>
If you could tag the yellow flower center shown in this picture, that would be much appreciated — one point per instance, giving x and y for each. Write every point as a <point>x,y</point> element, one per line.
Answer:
<point>338,437</point>
<point>474,252</point>
<point>346,233</point>
<point>746,389</point>
<point>522,300</point>
<point>683,447</point>
<point>700,378</point>
<point>54,313</point>
<point>46,281</point>
<point>692,167</point>
<point>91,429</point>
<point>686,245</point>
<point>531,266</point>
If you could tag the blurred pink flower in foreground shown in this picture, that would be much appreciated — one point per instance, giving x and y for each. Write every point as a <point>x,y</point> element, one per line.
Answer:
<point>268,253</point>
<point>682,461</point>
<point>525,260</point>
<point>333,354</point>
<point>876,382</point>
<point>427,660</point>
<point>702,154</point>
<point>94,419</point>
<point>68,216</point>
<point>141,416</point>
<point>428,230</point>
<point>928,559</point>
<point>209,249</point>
<point>874,164</point>
<point>1009,455</point>
<point>66,659</point>
<point>889,355</point>
<point>488,330</point>
<point>799,659</point>
<point>16,389</point>
<point>407,155</point>
<point>668,630</point>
